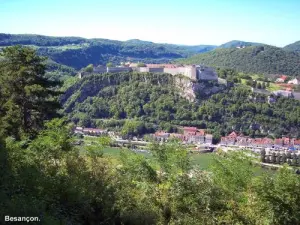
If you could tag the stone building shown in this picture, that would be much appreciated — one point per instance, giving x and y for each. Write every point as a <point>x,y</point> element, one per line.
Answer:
<point>190,71</point>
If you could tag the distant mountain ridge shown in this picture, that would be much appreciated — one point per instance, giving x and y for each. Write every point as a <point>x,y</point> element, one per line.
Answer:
<point>77,52</point>
<point>236,43</point>
<point>293,47</point>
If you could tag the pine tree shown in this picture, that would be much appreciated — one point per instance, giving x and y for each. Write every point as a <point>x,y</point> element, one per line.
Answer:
<point>27,97</point>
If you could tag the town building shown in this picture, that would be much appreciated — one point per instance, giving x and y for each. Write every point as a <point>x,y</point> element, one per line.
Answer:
<point>89,131</point>
<point>295,81</point>
<point>281,79</point>
<point>234,139</point>
<point>161,136</point>
<point>190,135</point>
<point>206,73</point>
<point>283,93</point>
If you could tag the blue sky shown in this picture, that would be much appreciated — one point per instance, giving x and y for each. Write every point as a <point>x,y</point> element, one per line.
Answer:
<point>189,22</point>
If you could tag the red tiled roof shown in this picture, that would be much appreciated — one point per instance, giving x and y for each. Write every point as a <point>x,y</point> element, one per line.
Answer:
<point>233,134</point>
<point>267,141</point>
<point>201,132</point>
<point>161,133</point>
<point>194,129</point>
<point>283,77</point>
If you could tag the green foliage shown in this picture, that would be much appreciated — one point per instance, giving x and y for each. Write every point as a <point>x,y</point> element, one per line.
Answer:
<point>262,59</point>
<point>149,98</point>
<point>279,195</point>
<point>109,64</point>
<point>154,101</point>
<point>78,52</point>
<point>27,97</point>
<point>47,177</point>
<point>132,128</point>
<point>235,44</point>
<point>293,47</point>
<point>89,68</point>
<point>141,65</point>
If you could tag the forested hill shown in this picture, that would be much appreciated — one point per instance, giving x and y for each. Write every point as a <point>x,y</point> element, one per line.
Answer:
<point>254,59</point>
<point>293,47</point>
<point>78,52</point>
<point>154,101</point>
<point>236,43</point>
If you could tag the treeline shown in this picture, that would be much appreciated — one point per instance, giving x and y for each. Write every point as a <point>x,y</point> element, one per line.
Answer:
<point>154,100</point>
<point>262,59</point>
<point>42,173</point>
<point>37,40</point>
<point>293,47</point>
<point>79,52</point>
<point>236,43</point>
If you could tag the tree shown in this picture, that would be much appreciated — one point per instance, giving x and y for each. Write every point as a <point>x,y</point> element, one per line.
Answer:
<point>132,127</point>
<point>141,65</point>
<point>164,181</point>
<point>283,188</point>
<point>258,85</point>
<point>89,68</point>
<point>28,97</point>
<point>109,64</point>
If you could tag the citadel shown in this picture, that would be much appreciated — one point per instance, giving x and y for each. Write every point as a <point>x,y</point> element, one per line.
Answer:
<point>193,72</point>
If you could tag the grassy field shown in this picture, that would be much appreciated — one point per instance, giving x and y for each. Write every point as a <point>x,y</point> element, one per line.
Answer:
<point>273,87</point>
<point>201,160</point>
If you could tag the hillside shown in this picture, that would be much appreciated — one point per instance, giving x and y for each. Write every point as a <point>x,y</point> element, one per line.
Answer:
<point>156,102</point>
<point>254,59</point>
<point>151,98</point>
<point>78,52</point>
<point>236,43</point>
<point>293,47</point>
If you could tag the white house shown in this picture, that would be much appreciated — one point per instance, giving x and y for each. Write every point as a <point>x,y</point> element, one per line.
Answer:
<point>281,79</point>
<point>295,81</point>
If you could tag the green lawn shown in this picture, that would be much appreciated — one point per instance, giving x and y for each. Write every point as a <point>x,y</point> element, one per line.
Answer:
<point>201,160</point>
<point>273,87</point>
<point>112,151</point>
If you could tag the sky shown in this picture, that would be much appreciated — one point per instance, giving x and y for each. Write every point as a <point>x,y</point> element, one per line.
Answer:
<point>188,22</point>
